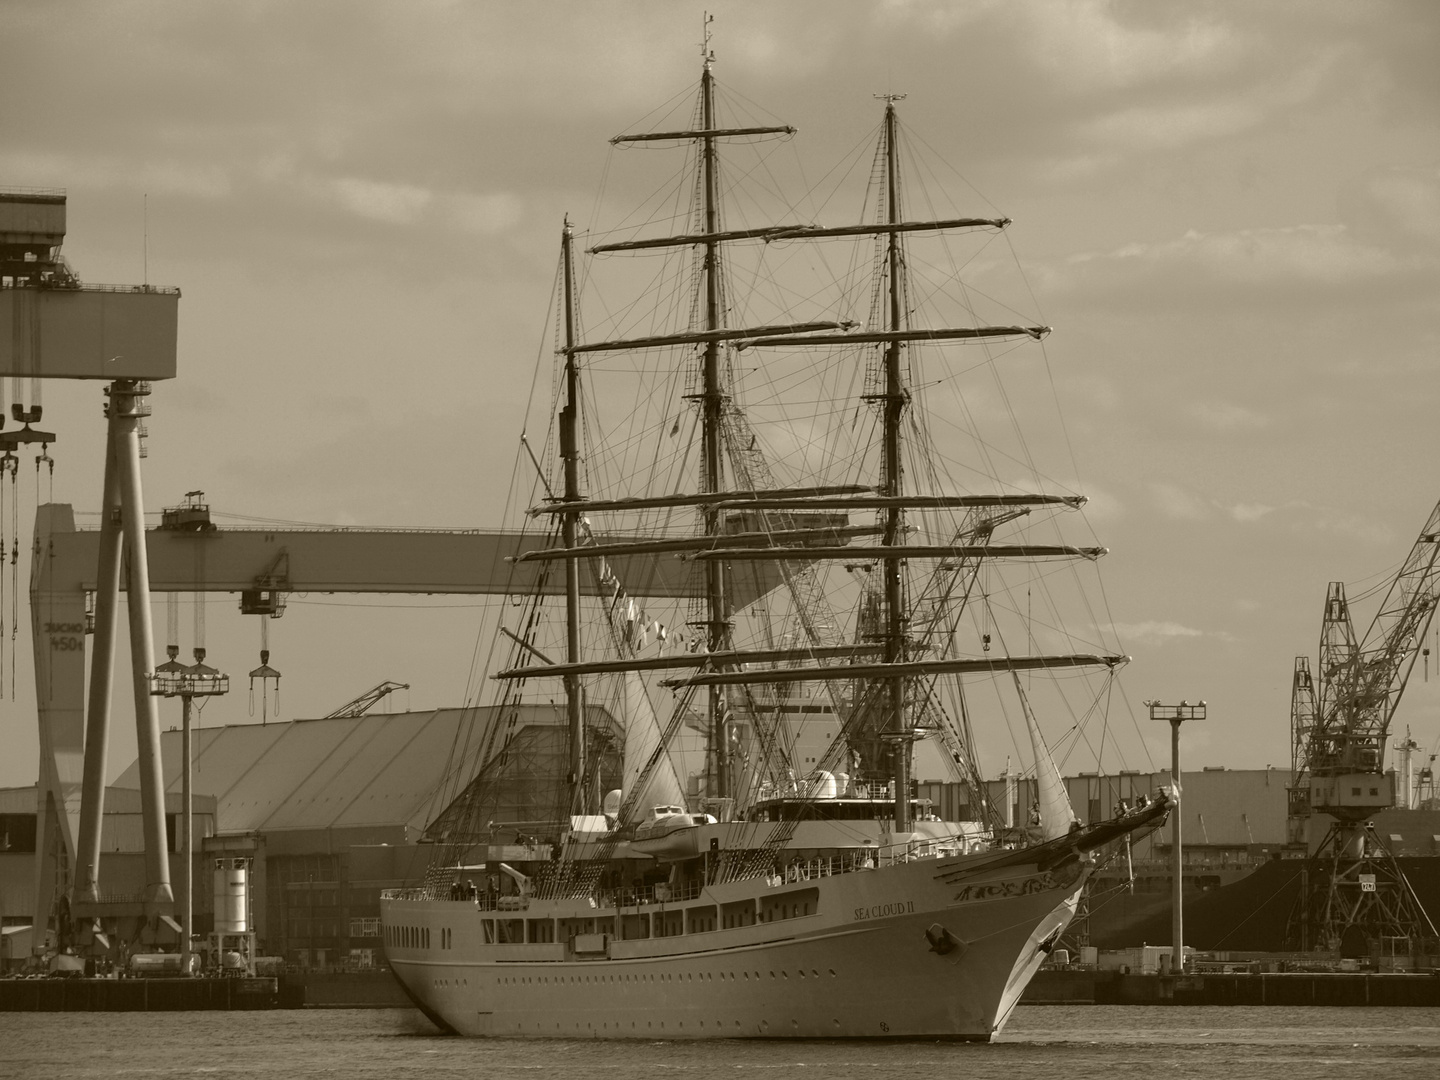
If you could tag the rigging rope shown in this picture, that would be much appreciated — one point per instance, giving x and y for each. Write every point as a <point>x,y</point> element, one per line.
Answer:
<point>172,623</point>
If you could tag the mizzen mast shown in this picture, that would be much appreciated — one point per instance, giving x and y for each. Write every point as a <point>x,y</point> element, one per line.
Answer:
<point>894,400</point>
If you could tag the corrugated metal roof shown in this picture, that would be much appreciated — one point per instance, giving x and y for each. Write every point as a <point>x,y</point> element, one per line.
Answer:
<point>119,799</point>
<point>17,800</point>
<point>378,769</point>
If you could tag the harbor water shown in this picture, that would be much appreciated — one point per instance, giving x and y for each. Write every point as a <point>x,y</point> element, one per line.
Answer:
<point>1073,1042</point>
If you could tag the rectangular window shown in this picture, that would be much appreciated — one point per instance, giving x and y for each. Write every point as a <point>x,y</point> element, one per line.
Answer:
<point>791,904</point>
<point>738,913</point>
<point>17,832</point>
<point>635,927</point>
<point>700,920</point>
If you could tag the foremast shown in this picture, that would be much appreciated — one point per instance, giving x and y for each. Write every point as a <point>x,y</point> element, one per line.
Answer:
<point>570,536</point>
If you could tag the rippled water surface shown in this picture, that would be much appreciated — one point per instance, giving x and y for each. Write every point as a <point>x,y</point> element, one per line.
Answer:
<point>1067,1043</point>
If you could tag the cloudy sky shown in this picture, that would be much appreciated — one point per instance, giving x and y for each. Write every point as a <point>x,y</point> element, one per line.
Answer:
<point>1230,213</point>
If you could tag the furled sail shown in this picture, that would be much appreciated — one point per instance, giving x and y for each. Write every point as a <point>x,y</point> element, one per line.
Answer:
<point>642,736</point>
<point>1056,814</point>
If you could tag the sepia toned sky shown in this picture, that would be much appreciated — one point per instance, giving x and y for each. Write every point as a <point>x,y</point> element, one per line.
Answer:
<point>1229,212</point>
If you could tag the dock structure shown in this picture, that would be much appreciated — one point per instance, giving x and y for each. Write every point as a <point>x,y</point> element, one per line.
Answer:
<point>54,326</point>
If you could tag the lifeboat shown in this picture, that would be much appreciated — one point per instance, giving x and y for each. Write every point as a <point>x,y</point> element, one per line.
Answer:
<point>669,832</point>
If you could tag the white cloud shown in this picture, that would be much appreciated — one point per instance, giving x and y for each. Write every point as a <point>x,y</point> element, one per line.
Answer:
<point>942,17</point>
<point>159,177</point>
<point>1317,253</point>
<point>1413,199</point>
<point>1247,512</point>
<point>1155,631</point>
<point>1227,416</point>
<point>1353,526</point>
<point>1177,503</point>
<point>394,204</point>
<point>1089,49</point>
<point>486,215</point>
<point>1398,205</point>
<point>1170,126</point>
<point>1304,264</point>
<point>1102,503</point>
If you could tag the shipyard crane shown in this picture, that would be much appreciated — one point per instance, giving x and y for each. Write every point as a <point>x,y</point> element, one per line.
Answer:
<point>367,701</point>
<point>1340,719</point>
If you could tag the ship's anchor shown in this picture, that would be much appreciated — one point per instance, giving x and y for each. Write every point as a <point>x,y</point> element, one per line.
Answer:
<point>942,941</point>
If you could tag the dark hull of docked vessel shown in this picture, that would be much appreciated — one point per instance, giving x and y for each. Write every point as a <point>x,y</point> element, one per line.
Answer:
<point>1233,910</point>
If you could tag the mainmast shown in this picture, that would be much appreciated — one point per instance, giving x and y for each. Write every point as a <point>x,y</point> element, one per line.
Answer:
<point>717,629</point>
<point>896,725</point>
<point>569,530</point>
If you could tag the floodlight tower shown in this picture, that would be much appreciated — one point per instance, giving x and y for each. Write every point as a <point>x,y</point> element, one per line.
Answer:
<point>52,326</point>
<point>174,679</point>
<point>1176,715</point>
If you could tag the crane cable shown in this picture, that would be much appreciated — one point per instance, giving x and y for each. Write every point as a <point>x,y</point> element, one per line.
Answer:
<point>4,468</point>
<point>14,564</point>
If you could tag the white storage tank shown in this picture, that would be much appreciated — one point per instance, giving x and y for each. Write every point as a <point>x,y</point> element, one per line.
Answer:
<point>232,896</point>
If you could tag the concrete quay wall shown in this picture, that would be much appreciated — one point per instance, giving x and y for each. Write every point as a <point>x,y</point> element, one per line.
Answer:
<point>136,995</point>
<point>1285,988</point>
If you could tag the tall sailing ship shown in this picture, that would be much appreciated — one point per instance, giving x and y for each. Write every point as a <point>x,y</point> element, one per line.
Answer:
<point>733,632</point>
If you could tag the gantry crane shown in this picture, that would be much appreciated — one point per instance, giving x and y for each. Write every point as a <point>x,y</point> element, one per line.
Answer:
<point>1356,894</point>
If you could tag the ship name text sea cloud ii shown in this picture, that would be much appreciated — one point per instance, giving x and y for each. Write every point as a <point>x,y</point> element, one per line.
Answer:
<point>760,584</point>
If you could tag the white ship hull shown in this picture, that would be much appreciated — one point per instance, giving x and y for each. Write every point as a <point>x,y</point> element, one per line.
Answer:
<point>858,965</point>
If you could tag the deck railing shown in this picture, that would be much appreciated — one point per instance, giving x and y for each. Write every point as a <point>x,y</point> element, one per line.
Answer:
<point>786,873</point>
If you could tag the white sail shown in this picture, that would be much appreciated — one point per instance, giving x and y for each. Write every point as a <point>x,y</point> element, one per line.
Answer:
<point>1056,813</point>
<point>642,736</point>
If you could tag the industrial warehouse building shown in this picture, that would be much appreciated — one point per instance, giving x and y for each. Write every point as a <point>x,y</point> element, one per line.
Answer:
<point>330,811</point>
